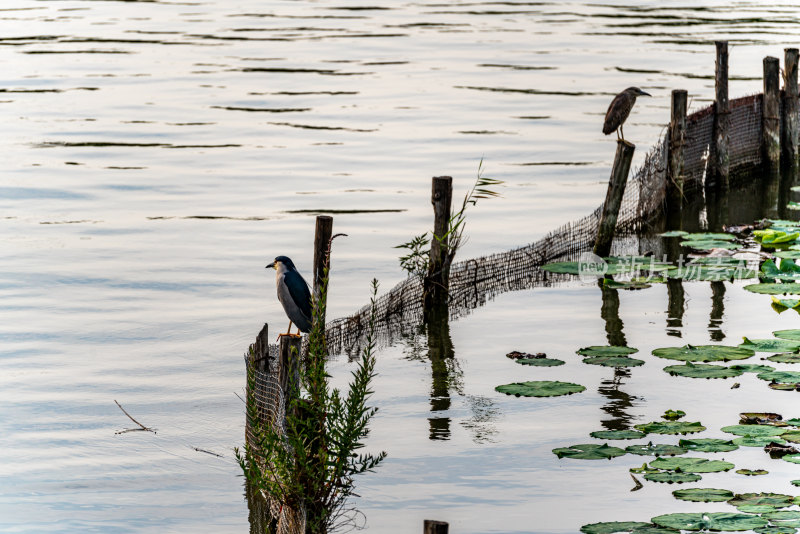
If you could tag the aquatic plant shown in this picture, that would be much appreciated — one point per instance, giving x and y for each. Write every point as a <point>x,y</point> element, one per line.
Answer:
<point>703,495</point>
<point>417,259</point>
<point>542,388</point>
<point>310,464</point>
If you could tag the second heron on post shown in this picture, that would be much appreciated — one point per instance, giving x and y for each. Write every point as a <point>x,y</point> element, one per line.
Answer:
<point>619,109</point>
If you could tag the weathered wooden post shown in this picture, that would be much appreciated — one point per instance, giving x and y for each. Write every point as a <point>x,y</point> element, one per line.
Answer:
<point>261,350</point>
<point>789,123</point>
<point>616,188</point>
<point>289,367</point>
<point>437,281</point>
<point>722,118</point>
<point>435,527</point>
<point>771,120</point>
<point>322,238</point>
<point>677,138</point>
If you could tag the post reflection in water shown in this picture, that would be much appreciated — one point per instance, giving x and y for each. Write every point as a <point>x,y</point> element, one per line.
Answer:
<point>619,403</point>
<point>717,311</point>
<point>676,306</point>
<point>442,356</point>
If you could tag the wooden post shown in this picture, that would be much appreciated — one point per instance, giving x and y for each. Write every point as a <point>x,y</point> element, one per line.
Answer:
<point>677,137</point>
<point>322,238</point>
<point>616,188</point>
<point>770,109</point>
<point>438,280</point>
<point>789,125</point>
<point>289,366</point>
<point>435,527</point>
<point>722,118</point>
<point>261,350</point>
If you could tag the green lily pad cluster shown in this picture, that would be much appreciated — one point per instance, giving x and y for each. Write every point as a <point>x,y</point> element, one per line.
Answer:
<point>702,370</point>
<point>704,241</point>
<point>541,388</point>
<point>704,353</point>
<point>770,237</point>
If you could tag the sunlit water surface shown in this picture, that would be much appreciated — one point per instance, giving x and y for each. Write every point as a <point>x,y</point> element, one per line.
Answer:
<point>159,154</point>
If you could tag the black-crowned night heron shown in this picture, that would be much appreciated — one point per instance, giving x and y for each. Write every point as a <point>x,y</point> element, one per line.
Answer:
<point>293,293</point>
<point>619,110</point>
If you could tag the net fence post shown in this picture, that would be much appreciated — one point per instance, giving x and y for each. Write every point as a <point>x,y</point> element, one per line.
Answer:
<point>722,118</point>
<point>616,189</point>
<point>770,115</point>
<point>677,138</point>
<point>789,122</point>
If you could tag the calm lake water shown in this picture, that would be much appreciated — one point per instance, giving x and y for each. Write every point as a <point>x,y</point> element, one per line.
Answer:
<point>159,153</point>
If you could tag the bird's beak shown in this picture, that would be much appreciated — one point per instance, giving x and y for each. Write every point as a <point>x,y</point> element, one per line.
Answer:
<point>645,94</point>
<point>270,266</point>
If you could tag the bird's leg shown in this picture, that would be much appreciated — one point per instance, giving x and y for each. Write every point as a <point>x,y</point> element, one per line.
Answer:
<point>289,330</point>
<point>621,132</point>
<point>298,331</point>
<point>617,134</point>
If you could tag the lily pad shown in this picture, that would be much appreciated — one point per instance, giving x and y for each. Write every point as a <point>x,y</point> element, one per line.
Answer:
<point>691,465</point>
<point>774,289</point>
<point>725,521</point>
<point>761,418</point>
<point>703,494</point>
<point>674,233</point>
<point>612,527</point>
<point>792,436</point>
<point>770,345</point>
<point>792,335</point>
<point>758,441</point>
<point>754,430</point>
<point>708,445</point>
<point>778,500</point>
<point>752,472</point>
<point>626,284</point>
<point>617,434</point>
<point>614,361</point>
<point>711,244</point>
<point>782,515</point>
<point>672,477</point>
<point>540,362</point>
<point>704,353</point>
<point>794,421</point>
<point>788,254</point>
<point>781,305</point>
<point>795,482</point>
<point>792,458</point>
<point>606,350</point>
<point>589,451</point>
<point>702,370</point>
<point>784,358</point>
<point>709,236</point>
<point>654,529</point>
<point>780,377</point>
<point>543,388</point>
<point>659,449</point>
<point>751,368</point>
<point>773,529</point>
<point>755,508</point>
<point>673,415</point>
<point>670,427</point>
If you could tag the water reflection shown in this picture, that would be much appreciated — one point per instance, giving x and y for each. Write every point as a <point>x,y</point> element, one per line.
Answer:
<point>676,306</point>
<point>609,312</point>
<point>444,370</point>
<point>717,311</point>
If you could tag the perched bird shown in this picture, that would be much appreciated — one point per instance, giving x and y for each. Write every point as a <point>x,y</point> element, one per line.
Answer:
<point>293,293</point>
<point>619,110</point>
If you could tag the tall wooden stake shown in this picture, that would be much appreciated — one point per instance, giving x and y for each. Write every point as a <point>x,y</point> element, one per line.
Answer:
<point>289,367</point>
<point>322,238</point>
<point>722,117</point>
<point>789,124</point>
<point>616,188</point>
<point>771,120</point>
<point>437,281</point>
<point>677,139</point>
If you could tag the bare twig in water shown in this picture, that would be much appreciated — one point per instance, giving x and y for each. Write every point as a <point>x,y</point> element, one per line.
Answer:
<point>141,426</point>
<point>638,485</point>
<point>208,452</point>
<point>240,397</point>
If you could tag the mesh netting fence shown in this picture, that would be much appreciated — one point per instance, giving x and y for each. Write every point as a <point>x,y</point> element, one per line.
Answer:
<point>475,282</point>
